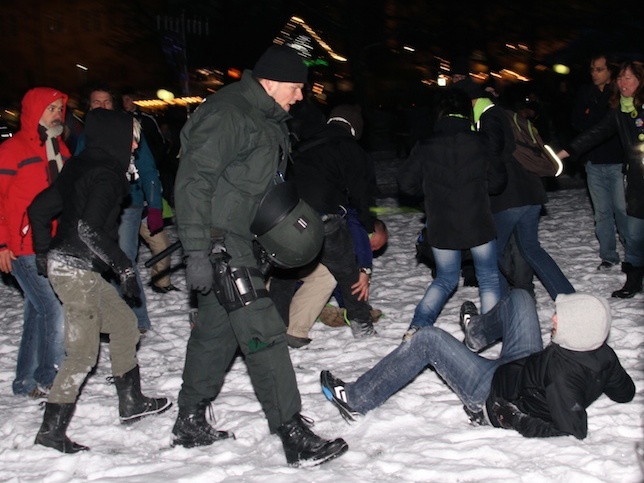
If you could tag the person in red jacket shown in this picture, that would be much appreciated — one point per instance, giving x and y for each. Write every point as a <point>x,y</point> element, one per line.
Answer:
<point>29,162</point>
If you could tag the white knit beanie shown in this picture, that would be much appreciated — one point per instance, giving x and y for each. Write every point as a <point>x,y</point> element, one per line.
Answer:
<point>583,321</point>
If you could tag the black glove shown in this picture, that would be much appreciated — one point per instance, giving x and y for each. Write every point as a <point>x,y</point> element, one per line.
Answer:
<point>199,274</point>
<point>129,285</point>
<point>41,264</point>
<point>506,413</point>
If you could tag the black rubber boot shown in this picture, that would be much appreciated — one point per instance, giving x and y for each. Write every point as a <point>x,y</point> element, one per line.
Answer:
<point>633,283</point>
<point>53,428</point>
<point>305,448</point>
<point>133,405</point>
<point>191,428</point>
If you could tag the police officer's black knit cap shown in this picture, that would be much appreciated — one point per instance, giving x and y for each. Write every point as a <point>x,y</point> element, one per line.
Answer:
<point>282,64</point>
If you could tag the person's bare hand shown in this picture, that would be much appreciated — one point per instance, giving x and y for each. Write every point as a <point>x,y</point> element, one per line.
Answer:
<point>6,256</point>
<point>361,287</point>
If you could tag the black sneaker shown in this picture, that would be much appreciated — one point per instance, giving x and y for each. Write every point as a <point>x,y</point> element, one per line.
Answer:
<point>468,309</point>
<point>604,265</point>
<point>333,390</point>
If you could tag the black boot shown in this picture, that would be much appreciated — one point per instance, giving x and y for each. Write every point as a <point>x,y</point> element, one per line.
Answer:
<point>305,448</point>
<point>133,405</point>
<point>633,283</point>
<point>191,428</point>
<point>53,428</point>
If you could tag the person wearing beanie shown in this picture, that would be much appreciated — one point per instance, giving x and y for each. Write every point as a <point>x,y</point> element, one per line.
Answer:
<point>334,175</point>
<point>537,392</point>
<point>234,148</point>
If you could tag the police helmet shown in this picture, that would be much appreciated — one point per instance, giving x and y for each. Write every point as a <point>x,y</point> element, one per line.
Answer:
<point>286,227</point>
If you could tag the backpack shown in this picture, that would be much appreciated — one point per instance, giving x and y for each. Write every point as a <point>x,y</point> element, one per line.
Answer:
<point>530,151</point>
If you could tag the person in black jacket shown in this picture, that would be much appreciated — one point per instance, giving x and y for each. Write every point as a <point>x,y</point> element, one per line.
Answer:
<point>456,174</point>
<point>86,199</point>
<point>538,392</point>
<point>626,119</point>
<point>334,174</point>
<point>518,207</point>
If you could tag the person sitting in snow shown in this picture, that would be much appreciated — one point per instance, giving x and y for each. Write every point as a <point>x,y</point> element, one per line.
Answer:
<point>86,198</point>
<point>538,392</point>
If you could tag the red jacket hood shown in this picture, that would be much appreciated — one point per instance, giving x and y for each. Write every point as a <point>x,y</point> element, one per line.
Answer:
<point>34,104</point>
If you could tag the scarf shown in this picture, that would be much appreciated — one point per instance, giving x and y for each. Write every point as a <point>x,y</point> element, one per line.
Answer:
<point>626,104</point>
<point>49,137</point>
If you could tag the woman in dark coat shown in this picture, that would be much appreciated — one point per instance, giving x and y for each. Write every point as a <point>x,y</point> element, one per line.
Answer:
<point>456,176</point>
<point>626,119</point>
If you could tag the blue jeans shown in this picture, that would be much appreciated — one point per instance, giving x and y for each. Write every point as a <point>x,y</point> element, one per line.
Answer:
<point>514,319</point>
<point>606,188</point>
<point>42,346</point>
<point>448,271</point>
<point>129,243</point>
<point>635,242</point>
<point>523,221</point>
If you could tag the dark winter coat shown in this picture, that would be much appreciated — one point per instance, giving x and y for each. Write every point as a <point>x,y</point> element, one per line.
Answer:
<point>553,388</point>
<point>331,170</point>
<point>232,147</point>
<point>591,106</point>
<point>625,126</point>
<point>455,173</point>
<point>87,197</point>
<point>522,188</point>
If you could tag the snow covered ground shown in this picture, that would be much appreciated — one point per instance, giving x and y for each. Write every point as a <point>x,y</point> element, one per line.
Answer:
<point>420,434</point>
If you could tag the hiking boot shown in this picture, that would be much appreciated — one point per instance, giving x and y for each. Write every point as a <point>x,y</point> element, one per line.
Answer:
<point>191,428</point>
<point>133,405</point>
<point>410,333</point>
<point>53,428</point>
<point>303,448</point>
<point>375,315</point>
<point>362,329</point>
<point>468,310</point>
<point>297,342</point>
<point>333,390</point>
<point>332,316</point>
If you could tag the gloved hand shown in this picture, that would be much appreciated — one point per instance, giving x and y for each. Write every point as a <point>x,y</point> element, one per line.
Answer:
<point>41,264</point>
<point>199,273</point>
<point>506,413</point>
<point>155,220</point>
<point>129,285</point>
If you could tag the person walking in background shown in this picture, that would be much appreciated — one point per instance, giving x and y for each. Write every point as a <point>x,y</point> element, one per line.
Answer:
<point>456,174</point>
<point>234,147</point>
<point>518,207</point>
<point>29,162</point>
<point>626,119</point>
<point>86,199</point>
<point>604,162</point>
<point>160,281</point>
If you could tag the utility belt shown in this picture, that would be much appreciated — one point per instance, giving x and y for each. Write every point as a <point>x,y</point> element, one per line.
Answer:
<point>235,287</point>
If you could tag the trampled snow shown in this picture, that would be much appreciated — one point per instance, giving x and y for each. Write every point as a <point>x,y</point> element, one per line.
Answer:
<point>420,434</point>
